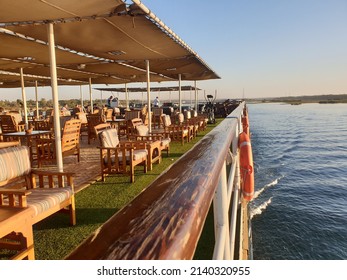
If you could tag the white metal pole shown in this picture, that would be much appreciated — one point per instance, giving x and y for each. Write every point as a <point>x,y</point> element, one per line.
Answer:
<point>90,96</point>
<point>149,97</point>
<point>196,97</point>
<point>81,96</point>
<point>37,101</point>
<point>221,250</point>
<point>179,93</point>
<point>24,98</point>
<point>126,96</point>
<point>234,208</point>
<point>54,85</point>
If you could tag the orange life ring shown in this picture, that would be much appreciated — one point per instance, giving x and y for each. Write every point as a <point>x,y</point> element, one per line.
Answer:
<point>246,166</point>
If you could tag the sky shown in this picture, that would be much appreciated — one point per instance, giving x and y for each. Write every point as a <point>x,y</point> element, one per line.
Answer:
<point>259,48</point>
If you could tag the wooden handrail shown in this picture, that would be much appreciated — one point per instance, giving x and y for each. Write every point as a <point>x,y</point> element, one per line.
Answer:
<point>165,221</point>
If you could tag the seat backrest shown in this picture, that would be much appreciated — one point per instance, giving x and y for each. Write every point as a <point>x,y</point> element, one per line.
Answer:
<point>8,124</point>
<point>71,134</point>
<point>142,130</point>
<point>109,138</point>
<point>101,127</point>
<point>187,115</point>
<point>14,162</point>
<point>157,111</point>
<point>129,115</point>
<point>166,120</point>
<point>82,116</point>
<point>17,116</point>
<point>180,118</point>
<point>109,114</point>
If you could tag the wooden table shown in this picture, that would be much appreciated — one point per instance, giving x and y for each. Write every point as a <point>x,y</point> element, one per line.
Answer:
<point>27,136</point>
<point>17,223</point>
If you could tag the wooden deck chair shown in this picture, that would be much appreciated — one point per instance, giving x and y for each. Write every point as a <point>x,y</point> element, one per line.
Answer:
<point>93,120</point>
<point>141,132</point>
<point>70,143</point>
<point>120,157</point>
<point>176,132</point>
<point>9,124</point>
<point>156,117</point>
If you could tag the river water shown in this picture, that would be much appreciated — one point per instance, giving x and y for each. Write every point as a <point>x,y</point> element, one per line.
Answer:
<point>299,211</point>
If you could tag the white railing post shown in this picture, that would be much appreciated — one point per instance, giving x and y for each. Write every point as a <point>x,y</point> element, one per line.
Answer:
<point>222,245</point>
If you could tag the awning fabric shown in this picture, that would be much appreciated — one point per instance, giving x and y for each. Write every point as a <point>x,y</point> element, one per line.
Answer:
<point>105,40</point>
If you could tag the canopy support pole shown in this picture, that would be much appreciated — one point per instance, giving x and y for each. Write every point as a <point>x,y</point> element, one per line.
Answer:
<point>37,101</point>
<point>126,96</point>
<point>196,97</point>
<point>54,85</point>
<point>90,96</point>
<point>81,97</point>
<point>179,93</point>
<point>149,97</point>
<point>24,98</point>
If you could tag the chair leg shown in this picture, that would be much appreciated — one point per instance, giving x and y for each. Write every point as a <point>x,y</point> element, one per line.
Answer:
<point>72,210</point>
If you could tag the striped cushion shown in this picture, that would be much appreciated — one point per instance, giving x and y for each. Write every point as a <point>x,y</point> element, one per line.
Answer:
<point>42,199</point>
<point>109,138</point>
<point>14,162</point>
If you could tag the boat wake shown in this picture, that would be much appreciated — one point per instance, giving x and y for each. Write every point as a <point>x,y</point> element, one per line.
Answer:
<point>272,184</point>
<point>258,210</point>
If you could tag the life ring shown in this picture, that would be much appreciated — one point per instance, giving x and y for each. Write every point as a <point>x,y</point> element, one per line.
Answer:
<point>246,166</point>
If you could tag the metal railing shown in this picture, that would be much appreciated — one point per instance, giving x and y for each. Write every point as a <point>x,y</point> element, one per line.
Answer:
<point>165,221</point>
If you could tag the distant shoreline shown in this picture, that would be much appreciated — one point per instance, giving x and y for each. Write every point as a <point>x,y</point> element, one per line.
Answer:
<point>297,100</point>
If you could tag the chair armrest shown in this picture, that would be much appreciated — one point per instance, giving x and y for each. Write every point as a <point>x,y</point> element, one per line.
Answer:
<point>8,198</point>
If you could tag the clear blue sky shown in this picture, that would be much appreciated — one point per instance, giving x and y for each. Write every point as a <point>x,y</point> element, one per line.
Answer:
<point>261,48</point>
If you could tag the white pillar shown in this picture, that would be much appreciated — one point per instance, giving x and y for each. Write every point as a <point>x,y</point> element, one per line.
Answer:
<point>196,98</point>
<point>179,93</point>
<point>24,98</point>
<point>90,96</point>
<point>149,97</point>
<point>126,97</point>
<point>81,96</point>
<point>54,85</point>
<point>37,101</point>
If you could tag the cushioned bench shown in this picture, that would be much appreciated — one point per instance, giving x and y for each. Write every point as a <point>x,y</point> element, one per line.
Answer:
<point>44,192</point>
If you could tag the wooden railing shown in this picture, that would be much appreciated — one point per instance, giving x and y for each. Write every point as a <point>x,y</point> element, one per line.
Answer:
<point>165,221</point>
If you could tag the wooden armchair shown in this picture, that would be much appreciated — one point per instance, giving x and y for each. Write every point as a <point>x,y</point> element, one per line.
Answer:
<point>156,117</point>
<point>141,133</point>
<point>176,132</point>
<point>186,119</point>
<point>28,196</point>
<point>10,124</point>
<point>116,156</point>
<point>93,120</point>
<point>70,143</point>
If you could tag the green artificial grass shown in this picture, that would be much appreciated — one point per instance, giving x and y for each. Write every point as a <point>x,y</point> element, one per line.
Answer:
<point>54,238</point>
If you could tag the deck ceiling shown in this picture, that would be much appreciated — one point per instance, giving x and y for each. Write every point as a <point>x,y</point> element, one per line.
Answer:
<point>104,40</point>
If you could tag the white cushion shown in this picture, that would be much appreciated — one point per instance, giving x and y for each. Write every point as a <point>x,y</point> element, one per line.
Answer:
<point>109,138</point>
